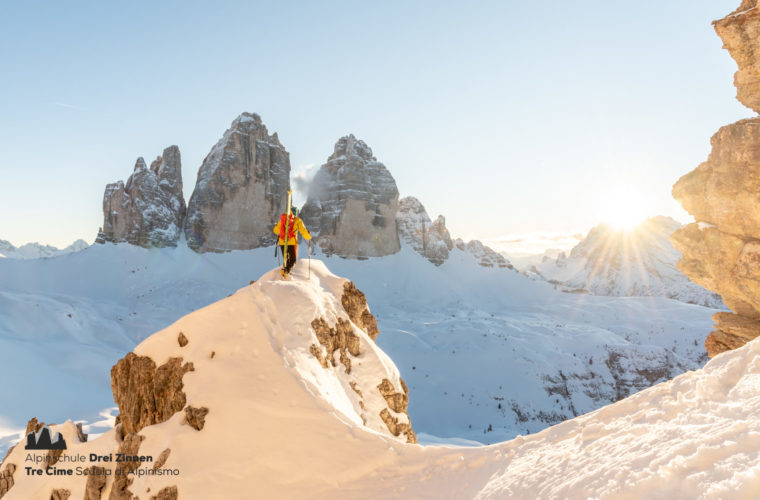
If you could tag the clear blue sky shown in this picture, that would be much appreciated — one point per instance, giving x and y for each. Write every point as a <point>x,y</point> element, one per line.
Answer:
<point>505,116</point>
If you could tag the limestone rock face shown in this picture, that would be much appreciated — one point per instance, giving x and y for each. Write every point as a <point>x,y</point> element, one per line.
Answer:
<point>241,189</point>
<point>740,32</point>
<point>149,209</point>
<point>352,204</point>
<point>147,394</point>
<point>429,239</point>
<point>355,304</point>
<point>485,255</point>
<point>721,250</point>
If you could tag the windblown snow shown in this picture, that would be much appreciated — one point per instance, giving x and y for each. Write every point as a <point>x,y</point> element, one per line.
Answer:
<point>280,424</point>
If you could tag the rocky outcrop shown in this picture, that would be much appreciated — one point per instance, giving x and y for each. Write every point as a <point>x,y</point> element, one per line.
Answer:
<point>355,304</point>
<point>427,238</point>
<point>60,494</point>
<point>485,255</point>
<point>721,251</point>
<point>129,446</point>
<point>168,493</point>
<point>339,338</point>
<point>6,479</point>
<point>241,189</point>
<point>196,417</point>
<point>149,209</point>
<point>740,31</point>
<point>352,204</point>
<point>147,394</point>
<point>96,482</point>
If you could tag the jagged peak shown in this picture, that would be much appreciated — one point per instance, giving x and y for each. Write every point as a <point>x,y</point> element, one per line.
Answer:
<point>349,145</point>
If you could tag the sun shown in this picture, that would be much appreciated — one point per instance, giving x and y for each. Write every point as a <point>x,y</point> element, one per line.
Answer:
<point>623,209</point>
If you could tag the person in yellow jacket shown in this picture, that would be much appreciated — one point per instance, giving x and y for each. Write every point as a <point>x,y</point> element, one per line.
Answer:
<point>294,224</point>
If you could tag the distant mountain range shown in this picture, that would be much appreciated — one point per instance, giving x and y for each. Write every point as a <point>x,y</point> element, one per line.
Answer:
<point>619,263</point>
<point>37,250</point>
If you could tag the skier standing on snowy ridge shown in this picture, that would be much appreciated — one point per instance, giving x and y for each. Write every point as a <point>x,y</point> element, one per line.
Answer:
<point>290,225</point>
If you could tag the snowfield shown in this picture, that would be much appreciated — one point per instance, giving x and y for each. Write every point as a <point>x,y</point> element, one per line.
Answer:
<point>487,353</point>
<point>279,425</point>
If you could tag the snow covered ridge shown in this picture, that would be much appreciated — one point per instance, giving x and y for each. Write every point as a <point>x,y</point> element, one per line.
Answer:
<point>641,262</point>
<point>263,418</point>
<point>306,342</point>
<point>37,250</point>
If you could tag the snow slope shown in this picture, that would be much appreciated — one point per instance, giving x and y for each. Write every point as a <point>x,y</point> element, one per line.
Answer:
<point>623,263</point>
<point>480,348</point>
<point>272,431</point>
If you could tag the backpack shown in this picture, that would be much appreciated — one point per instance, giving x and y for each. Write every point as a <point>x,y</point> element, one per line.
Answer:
<point>291,226</point>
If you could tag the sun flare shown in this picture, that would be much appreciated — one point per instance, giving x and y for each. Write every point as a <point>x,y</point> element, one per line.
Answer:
<point>623,209</point>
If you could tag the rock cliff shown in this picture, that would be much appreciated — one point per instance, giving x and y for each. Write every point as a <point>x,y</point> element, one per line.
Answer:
<point>483,254</point>
<point>149,209</point>
<point>429,239</point>
<point>240,191</point>
<point>720,250</point>
<point>352,204</point>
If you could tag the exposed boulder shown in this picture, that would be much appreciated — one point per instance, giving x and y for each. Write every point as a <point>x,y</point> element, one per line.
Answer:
<point>147,394</point>
<point>427,238</point>
<point>240,191</point>
<point>352,204</point>
<point>96,481</point>
<point>6,479</point>
<point>196,417</point>
<point>721,250</point>
<point>149,209</point>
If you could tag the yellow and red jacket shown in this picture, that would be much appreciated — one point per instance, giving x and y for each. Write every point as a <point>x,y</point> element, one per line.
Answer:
<point>294,224</point>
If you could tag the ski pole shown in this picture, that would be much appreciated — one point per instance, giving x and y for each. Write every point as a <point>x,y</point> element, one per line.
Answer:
<point>309,259</point>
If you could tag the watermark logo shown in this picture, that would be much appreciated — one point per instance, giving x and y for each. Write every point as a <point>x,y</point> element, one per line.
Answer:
<point>42,440</point>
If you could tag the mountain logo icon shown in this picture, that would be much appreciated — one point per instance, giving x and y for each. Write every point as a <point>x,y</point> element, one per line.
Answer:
<point>41,440</point>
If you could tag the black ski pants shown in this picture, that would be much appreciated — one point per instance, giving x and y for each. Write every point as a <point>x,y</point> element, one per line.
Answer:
<point>291,256</point>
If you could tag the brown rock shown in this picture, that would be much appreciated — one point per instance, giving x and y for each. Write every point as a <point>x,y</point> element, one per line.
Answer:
<point>341,338</point>
<point>161,460</point>
<point>96,481</point>
<point>355,304</point>
<point>397,401</point>
<point>182,339</point>
<point>168,493</point>
<point>733,331</point>
<point>196,417</point>
<point>317,353</point>
<point>723,190</point>
<point>721,251</point>
<point>740,31</point>
<point>145,394</point>
<point>52,457</point>
<point>33,425</point>
<point>80,433</point>
<point>122,480</point>
<point>60,494</point>
<point>6,479</point>
<point>397,428</point>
